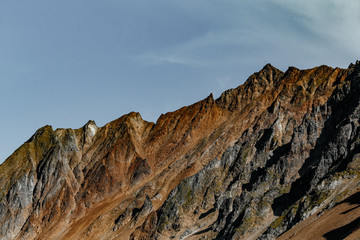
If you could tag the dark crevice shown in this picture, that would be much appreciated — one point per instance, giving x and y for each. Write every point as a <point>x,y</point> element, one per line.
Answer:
<point>44,162</point>
<point>234,180</point>
<point>343,165</point>
<point>118,219</point>
<point>260,144</point>
<point>203,215</point>
<point>235,167</point>
<point>303,183</point>
<point>228,231</point>
<point>307,172</point>
<point>255,175</point>
<point>135,211</point>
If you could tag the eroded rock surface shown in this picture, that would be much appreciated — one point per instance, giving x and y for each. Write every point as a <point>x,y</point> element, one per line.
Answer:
<point>263,157</point>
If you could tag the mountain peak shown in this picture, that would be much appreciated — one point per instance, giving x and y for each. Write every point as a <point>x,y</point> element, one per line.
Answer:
<point>266,77</point>
<point>280,147</point>
<point>90,128</point>
<point>270,67</point>
<point>90,123</point>
<point>354,67</point>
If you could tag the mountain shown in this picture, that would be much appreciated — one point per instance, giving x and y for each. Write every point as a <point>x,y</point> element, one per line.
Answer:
<point>278,156</point>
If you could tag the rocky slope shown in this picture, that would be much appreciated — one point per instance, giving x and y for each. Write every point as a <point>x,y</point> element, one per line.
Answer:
<point>276,151</point>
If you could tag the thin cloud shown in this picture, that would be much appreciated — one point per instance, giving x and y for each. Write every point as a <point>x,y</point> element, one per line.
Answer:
<point>158,60</point>
<point>303,33</point>
<point>336,21</point>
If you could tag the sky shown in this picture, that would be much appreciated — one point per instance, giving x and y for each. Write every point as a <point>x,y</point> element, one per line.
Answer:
<point>65,62</point>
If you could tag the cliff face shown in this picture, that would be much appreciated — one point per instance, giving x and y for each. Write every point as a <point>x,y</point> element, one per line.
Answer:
<point>281,148</point>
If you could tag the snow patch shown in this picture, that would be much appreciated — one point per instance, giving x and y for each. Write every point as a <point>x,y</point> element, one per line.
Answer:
<point>92,130</point>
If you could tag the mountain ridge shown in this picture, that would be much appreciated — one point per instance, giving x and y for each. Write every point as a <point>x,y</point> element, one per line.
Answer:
<point>115,181</point>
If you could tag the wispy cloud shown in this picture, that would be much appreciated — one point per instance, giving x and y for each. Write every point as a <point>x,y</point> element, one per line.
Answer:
<point>135,54</point>
<point>303,33</point>
<point>336,20</point>
<point>163,59</point>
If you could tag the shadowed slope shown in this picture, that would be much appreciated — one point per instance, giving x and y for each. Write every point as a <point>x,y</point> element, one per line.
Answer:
<point>210,162</point>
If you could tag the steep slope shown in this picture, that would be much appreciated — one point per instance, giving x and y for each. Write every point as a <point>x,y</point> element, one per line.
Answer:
<point>340,222</point>
<point>290,162</point>
<point>251,164</point>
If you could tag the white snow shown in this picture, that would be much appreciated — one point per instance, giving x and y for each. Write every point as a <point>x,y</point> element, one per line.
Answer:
<point>92,130</point>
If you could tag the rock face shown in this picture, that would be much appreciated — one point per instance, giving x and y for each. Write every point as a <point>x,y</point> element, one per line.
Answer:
<point>276,151</point>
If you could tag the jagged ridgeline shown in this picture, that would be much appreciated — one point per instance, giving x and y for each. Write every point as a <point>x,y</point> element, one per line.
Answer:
<point>278,156</point>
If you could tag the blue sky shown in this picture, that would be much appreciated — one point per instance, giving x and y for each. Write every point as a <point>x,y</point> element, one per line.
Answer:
<point>65,62</point>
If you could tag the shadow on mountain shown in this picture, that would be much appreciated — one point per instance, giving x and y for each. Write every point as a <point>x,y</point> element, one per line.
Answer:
<point>353,199</point>
<point>344,231</point>
<point>308,172</point>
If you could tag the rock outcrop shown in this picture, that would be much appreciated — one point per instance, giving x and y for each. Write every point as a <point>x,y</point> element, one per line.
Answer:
<point>264,158</point>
